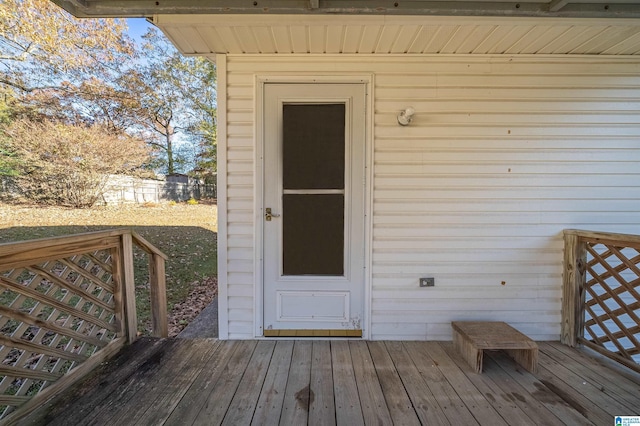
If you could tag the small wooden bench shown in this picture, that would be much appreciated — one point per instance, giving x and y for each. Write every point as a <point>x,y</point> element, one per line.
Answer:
<point>471,338</point>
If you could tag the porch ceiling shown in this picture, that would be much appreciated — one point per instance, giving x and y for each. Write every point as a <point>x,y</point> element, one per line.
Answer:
<point>209,27</point>
<point>295,34</point>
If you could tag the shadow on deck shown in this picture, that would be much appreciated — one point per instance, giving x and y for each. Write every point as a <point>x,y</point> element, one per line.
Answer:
<point>206,381</point>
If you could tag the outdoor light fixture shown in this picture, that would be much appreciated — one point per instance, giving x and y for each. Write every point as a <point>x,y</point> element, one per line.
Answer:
<point>405,117</point>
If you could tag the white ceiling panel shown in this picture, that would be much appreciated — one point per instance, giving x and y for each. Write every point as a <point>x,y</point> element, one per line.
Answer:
<point>335,38</point>
<point>210,34</point>
<point>265,39</point>
<point>299,36</point>
<point>352,36</point>
<point>369,39</point>
<point>282,39</point>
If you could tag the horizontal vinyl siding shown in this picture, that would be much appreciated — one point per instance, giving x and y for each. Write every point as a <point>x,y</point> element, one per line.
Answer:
<point>240,205</point>
<point>502,155</point>
<point>478,189</point>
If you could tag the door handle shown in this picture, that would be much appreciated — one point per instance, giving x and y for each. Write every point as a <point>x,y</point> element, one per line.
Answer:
<point>268,215</point>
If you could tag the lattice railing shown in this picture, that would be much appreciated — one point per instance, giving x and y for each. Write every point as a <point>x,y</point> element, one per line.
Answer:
<point>67,304</point>
<point>601,303</point>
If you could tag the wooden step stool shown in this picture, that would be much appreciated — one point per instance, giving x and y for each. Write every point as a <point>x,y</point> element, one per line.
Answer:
<point>471,338</point>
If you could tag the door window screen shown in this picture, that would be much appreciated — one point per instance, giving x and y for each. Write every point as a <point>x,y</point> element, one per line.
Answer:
<point>314,189</point>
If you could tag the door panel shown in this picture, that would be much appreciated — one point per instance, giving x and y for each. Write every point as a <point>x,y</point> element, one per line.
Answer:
<point>314,187</point>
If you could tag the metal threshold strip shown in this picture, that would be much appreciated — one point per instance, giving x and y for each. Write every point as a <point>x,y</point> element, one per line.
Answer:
<point>312,333</point>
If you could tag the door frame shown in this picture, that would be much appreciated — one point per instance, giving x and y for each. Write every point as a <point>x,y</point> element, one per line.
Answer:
<point>260,81</point>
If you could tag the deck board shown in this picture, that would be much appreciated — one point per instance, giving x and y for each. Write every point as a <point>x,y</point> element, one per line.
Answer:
<point>271,398</point>
<point>394,392</point>
<point>217,404</point>
<point>424,403</point>
<point>243,404</point>
<point>322,407</point>
<point>295,410</point>
<point>321,382</point>
<point>348,409</point>
<point>447,398</point>
<point>374,407</point>
<point>196,397</point>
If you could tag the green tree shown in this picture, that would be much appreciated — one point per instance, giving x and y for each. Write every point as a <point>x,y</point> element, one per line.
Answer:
<point>9,162</point>
<point>7,98</point>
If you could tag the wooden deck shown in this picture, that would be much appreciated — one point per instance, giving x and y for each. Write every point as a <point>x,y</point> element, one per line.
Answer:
<point>209,382</point>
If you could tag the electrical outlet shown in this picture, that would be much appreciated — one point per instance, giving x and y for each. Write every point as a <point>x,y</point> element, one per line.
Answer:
<point>427,282</point>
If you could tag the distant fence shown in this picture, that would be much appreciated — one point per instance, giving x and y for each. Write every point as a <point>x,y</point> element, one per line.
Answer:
<point>127,189</point>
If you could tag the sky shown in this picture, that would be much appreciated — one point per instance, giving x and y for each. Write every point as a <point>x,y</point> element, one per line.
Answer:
<point>137,27</point>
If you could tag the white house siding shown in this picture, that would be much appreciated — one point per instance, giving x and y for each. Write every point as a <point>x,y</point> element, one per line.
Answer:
<point>503,154</point>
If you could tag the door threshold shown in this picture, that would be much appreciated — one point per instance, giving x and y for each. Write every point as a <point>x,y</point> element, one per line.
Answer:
<point>312,333</point>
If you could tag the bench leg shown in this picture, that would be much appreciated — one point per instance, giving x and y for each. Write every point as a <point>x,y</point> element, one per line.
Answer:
<point>470,353</point>
<point>527,358</point>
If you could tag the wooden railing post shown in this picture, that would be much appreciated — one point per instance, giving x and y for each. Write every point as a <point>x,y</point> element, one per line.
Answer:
<point>157,285</point>
<point>573,288</point>
<point>157,281</point>
<point>129,287</point>
<point>118,286</point>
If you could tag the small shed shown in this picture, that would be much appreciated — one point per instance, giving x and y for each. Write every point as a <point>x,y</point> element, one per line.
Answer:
<point>386,168</point>
<point>178,178</point>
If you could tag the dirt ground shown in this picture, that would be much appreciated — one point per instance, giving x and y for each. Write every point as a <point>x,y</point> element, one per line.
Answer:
<point>186,233</point>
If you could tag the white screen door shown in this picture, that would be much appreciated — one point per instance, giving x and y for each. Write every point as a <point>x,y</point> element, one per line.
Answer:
<point>313,212</point>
